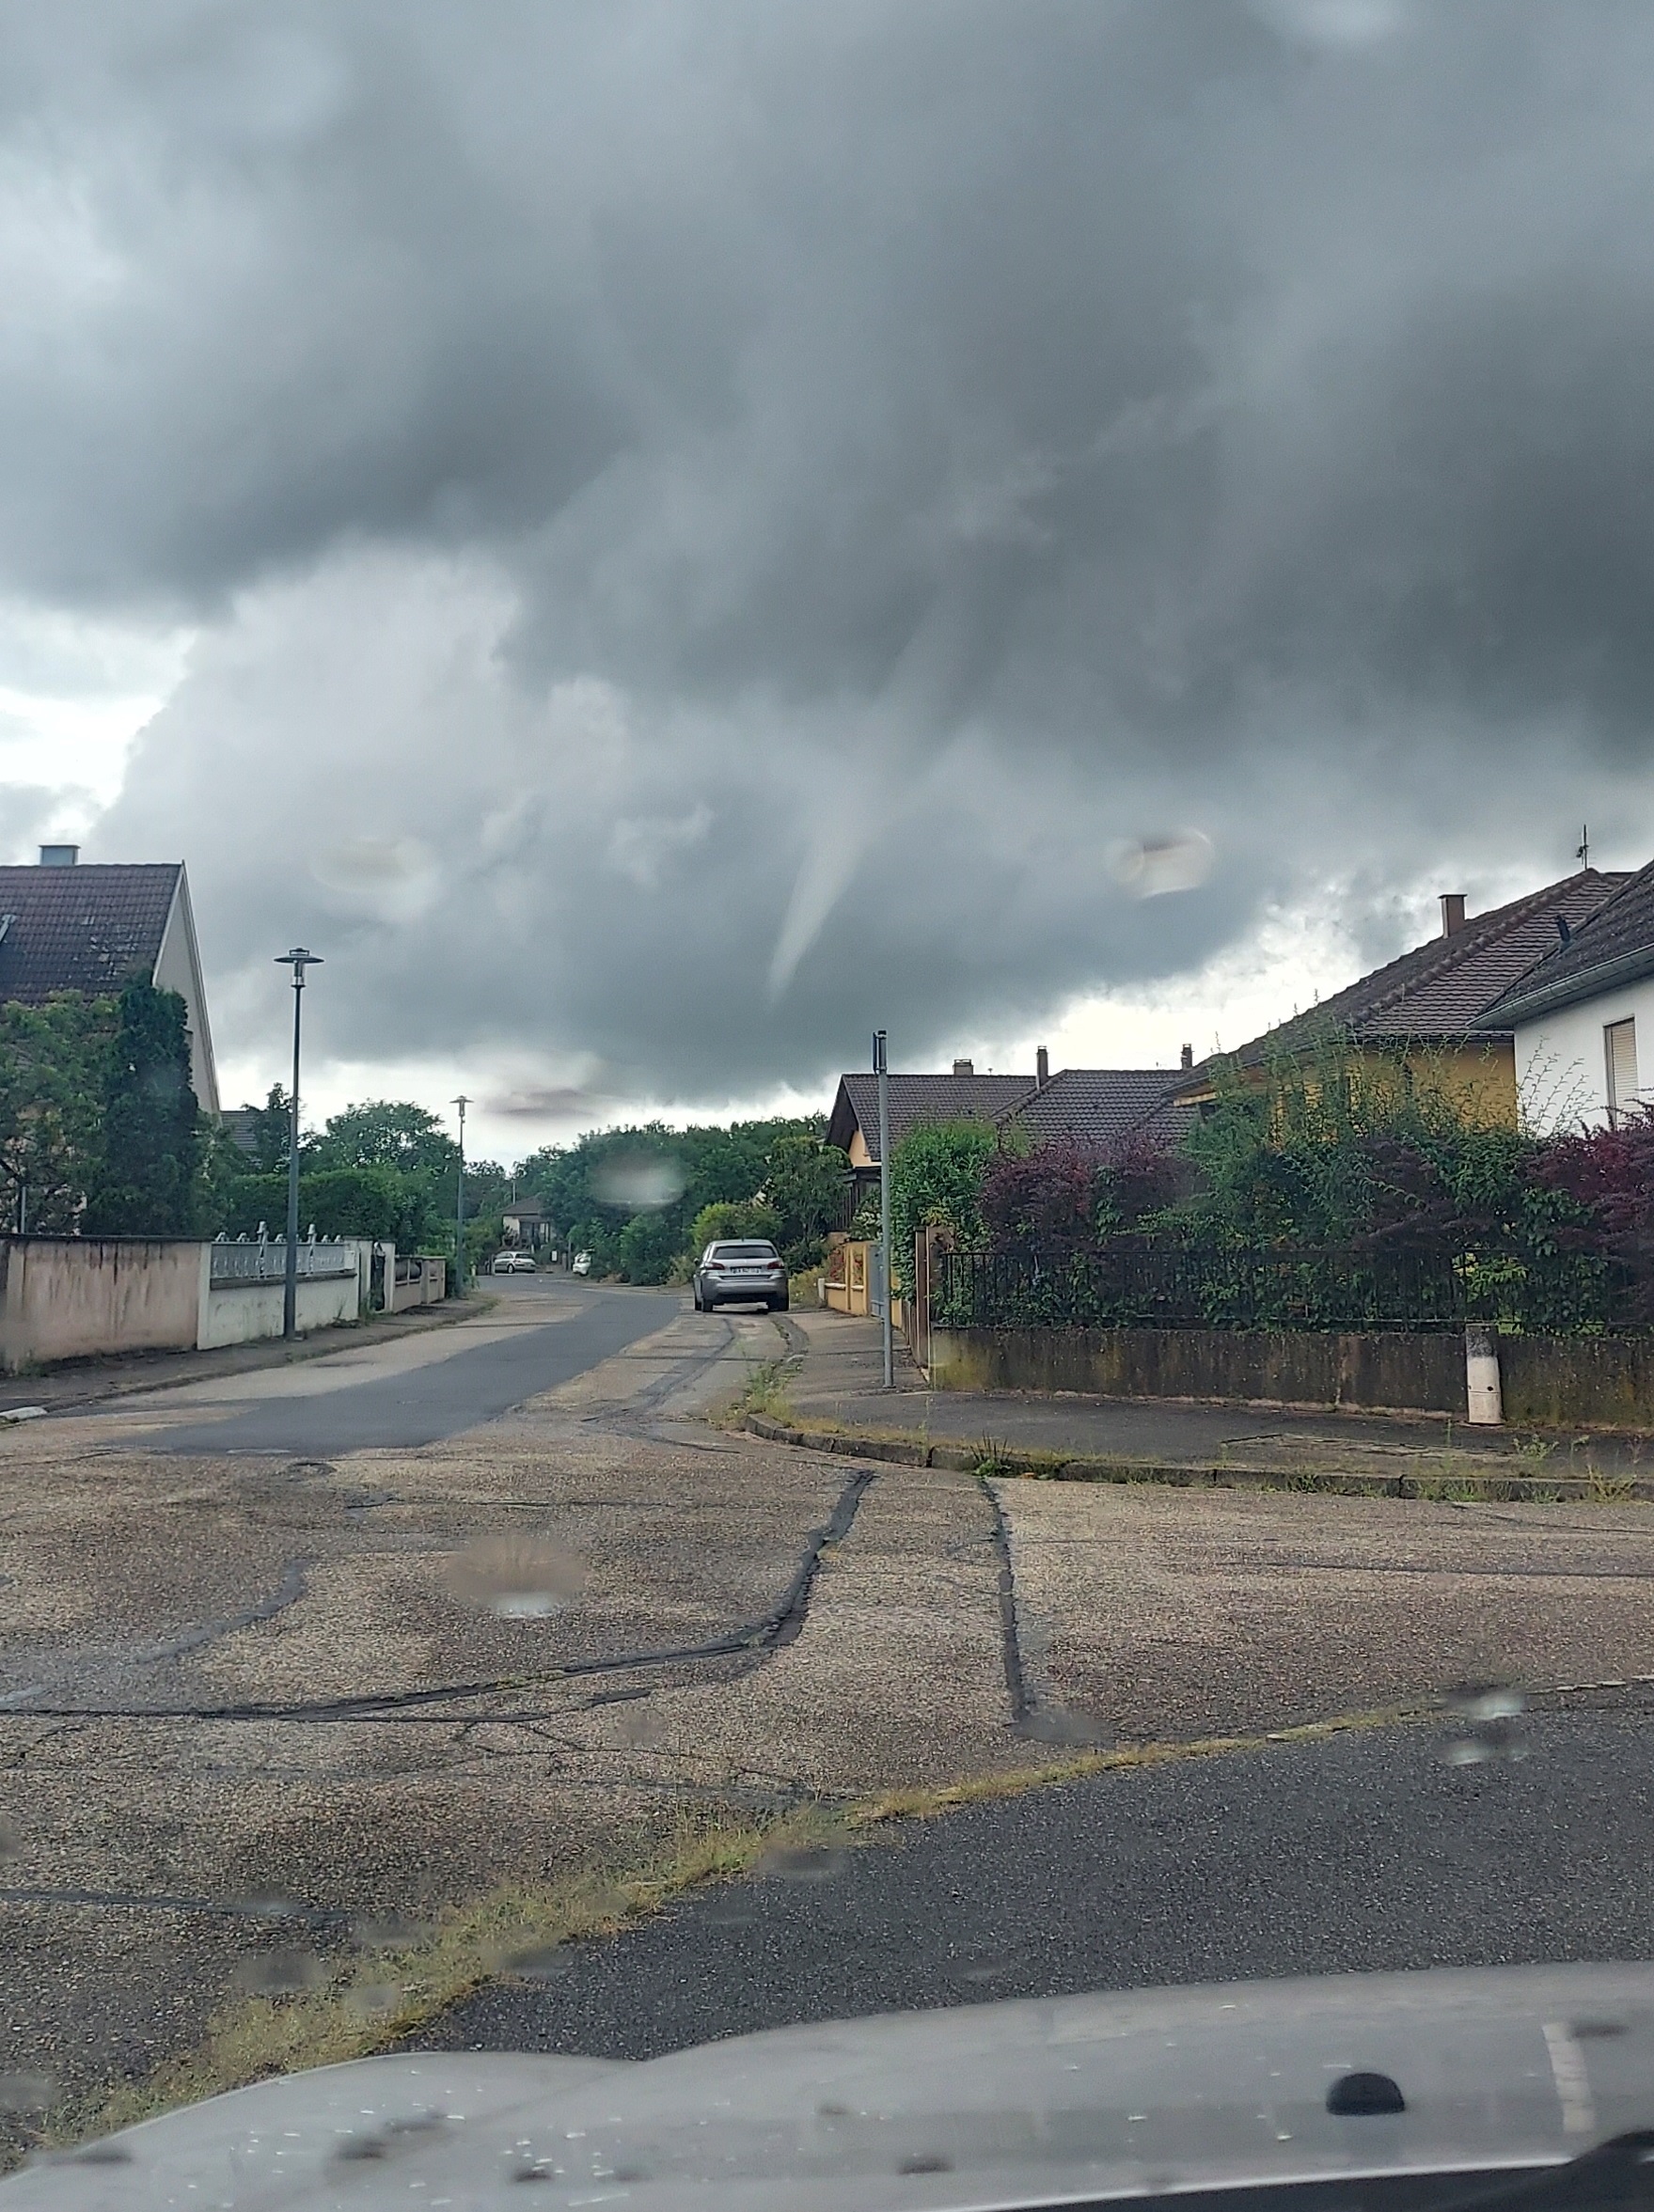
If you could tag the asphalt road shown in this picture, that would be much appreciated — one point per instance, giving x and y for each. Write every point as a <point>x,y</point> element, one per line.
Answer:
<point>423,1405</point>
<point>1364,1851</point>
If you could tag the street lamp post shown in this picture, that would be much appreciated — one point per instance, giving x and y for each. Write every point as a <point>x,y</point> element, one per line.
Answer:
<point>298,959</point>
<point>462,1102</point>
<point>881,1069</point>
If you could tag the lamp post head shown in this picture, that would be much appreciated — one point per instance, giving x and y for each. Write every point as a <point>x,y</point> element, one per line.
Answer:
<point>298,959</point>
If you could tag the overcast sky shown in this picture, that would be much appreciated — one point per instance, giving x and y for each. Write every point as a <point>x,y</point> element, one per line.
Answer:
<point>656,536</point>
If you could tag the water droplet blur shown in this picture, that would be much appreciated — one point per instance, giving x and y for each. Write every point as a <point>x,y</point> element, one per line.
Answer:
<point>279,1974</point>
<point>371,1998</point>
<point>988,1969</point>
<point>10,1839</point>
<point>1060,1724</point>
<point>639,1182</point>
<point>926,2162</point>
<point>1488,1725</point>
<point>1148,868</point>
<point>731,1912</point>
<point>389,1932</point>
<point>270,1906</point>
<point>547,1962</point>
<point>519,1578</point>
<point>786,1863</point>
<point>642,1730</point>
<point>26,2093</point>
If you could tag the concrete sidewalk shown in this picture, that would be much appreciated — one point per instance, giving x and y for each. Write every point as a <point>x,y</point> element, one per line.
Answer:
<point>833,1390</point>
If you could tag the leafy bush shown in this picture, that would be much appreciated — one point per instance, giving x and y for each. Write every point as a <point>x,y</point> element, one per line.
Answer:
<point>936,1180</point>
<point>144,1182</point>
<point>731,1217</point>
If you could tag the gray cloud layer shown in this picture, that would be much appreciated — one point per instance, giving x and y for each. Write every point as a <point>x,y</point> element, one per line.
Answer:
<point>708,519</point>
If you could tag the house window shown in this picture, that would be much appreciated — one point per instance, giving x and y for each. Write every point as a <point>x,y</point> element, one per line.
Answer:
<point>1620,1041</point>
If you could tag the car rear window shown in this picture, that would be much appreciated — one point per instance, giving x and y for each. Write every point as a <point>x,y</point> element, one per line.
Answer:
<point>745,1251</point>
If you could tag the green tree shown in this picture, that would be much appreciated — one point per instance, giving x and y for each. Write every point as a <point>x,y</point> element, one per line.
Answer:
<point>144,1182</point>
<point>54,1078</point>
<point>731,1217</point>
<point>936,1179</point>
<point>387,1132</point>
<point>646,1248</point>
<point>336,1202</point>
<point>805,1181</point>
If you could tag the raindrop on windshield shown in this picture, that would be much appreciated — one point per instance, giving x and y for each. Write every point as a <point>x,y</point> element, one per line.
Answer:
<point>547,1962</point>
<point>1488,1724</point>
<point>641,1730</point>
<point>639,1182</point>
<point>371,1998</point>
<point>10,1839</point>
<point>1060,1724</point>
<point>389,1932</point>
<point>518,1578</point>
<point>786,1863</point>
<point>26,2093</point>
<point>279,1974</point>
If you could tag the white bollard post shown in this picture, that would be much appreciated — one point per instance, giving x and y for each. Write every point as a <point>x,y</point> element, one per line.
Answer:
<point>1481,1378</point>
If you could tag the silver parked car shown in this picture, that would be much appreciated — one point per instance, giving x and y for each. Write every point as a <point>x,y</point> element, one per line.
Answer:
<point>733,1274</point>
<point>514,1260</point>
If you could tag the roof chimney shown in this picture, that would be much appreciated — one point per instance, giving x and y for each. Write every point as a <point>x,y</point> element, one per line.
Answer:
<point>963,1067</point>
<point>60,855</point>
<point>1042,1068</point>
<point>1188,1055</point>
<point>1451,913</point>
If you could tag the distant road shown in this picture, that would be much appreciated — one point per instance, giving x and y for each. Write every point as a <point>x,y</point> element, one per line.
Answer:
<point>304,1410</point>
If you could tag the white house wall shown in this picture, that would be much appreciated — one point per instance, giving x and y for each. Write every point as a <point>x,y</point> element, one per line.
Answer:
<point>1562,1061</point>
<point>179,968</point>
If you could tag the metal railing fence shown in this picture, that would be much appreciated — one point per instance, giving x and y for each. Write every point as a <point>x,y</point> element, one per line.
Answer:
<point>266,1261</point>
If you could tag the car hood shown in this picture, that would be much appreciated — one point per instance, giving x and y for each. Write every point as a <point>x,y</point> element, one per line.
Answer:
<point>1000,2105</point>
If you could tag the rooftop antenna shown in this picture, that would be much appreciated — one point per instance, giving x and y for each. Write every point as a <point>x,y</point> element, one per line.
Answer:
<point>1583,851</point>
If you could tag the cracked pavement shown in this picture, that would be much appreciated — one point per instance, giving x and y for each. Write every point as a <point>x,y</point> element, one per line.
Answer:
<point>237,1682</point>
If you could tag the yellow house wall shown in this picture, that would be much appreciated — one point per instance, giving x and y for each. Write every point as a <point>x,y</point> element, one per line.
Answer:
<point>1481,1078</point>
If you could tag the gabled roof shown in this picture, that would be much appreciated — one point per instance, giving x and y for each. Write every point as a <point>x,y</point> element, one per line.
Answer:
<point>82,929</point>
<point>917,1101</point>
<point>526,1209</point>
<point>1438,990</point>
<point>1615,946</point>
<point>1098,1107</point>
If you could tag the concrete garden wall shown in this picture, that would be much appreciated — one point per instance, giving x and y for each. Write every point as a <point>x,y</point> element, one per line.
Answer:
<point>1547,1382</point>
<point>66,1297</point>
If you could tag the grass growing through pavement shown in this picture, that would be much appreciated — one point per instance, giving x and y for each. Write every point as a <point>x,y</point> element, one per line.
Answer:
<point>370,2000</point>
<point>766,1392</point>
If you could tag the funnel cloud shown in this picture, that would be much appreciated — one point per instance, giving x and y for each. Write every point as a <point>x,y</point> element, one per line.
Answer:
<point>703,526</point>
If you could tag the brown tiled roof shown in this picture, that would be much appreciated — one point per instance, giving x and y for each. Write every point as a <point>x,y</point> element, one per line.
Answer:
<point>1098,1106</point>
<point>917,1101</point>
<point>1615,946</point>
<point>1437,990</point>
<point>82,929</point>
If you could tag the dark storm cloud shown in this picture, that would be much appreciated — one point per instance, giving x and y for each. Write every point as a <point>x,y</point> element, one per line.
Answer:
<point>743,503</point>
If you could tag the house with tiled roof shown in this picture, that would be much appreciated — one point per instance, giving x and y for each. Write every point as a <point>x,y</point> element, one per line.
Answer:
<point>1102,1108</point>
<point>1425,1012</point>
<point>1582,1020</point>
<point>915,1102</point>
<point>64,927</point>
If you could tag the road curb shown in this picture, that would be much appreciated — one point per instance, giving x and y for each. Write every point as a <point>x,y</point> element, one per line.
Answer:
<point>1462,1485</point>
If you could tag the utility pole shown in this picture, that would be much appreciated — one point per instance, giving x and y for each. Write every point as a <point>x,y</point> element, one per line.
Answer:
<point>298,959</point>
<point>462,1102</point>
<point>1583,851</point>
<point>882,1069</point>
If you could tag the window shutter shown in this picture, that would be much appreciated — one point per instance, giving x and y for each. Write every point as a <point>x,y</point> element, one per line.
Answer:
<point>1620,1038</point>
